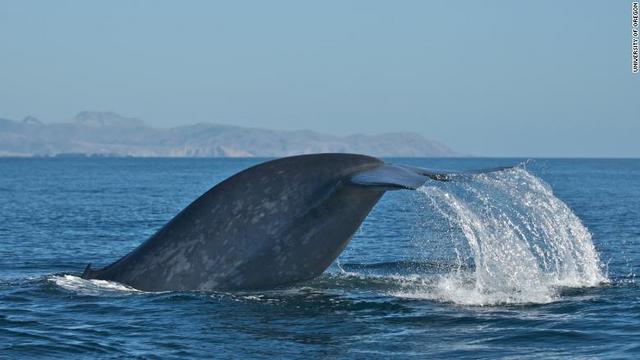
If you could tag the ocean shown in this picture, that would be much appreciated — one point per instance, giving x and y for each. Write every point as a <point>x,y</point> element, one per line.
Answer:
<point>535,262</point>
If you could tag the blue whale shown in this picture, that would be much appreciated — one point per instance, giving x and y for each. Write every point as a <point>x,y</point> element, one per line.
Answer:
<point>275,223</point>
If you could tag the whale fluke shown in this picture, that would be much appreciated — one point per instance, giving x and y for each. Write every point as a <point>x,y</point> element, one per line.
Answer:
<point>275,223</point>
<point>393,177</point>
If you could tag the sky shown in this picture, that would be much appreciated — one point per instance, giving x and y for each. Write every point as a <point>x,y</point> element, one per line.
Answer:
<point>487,78</point>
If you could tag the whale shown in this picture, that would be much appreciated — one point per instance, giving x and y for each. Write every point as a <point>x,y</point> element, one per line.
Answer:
<point>276,223</point>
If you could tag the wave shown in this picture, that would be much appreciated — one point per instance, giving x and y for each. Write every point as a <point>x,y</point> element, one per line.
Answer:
<point>82,286</point>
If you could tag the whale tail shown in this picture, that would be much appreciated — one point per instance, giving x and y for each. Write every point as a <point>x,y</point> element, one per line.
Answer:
<point>396,177</point>
<point>278,222</point>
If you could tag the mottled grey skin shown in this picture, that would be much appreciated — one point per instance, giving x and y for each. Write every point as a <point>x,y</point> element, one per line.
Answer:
<point>275,223</point>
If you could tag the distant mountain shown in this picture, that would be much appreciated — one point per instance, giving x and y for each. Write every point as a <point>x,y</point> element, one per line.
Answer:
<point>109,134</point>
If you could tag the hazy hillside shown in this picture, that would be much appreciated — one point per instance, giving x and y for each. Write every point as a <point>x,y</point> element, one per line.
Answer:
<point>106,133</point>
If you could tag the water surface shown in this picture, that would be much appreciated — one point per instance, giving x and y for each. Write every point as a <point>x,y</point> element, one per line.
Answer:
<point>494,266</point>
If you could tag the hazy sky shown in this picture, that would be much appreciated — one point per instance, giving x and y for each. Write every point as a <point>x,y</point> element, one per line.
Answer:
<point>496,78</point>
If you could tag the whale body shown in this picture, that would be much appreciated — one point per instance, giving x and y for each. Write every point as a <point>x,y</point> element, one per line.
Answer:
<point>275,223</point>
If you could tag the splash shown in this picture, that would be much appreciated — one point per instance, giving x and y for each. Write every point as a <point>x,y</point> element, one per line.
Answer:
<point>90,287</point>
<point>514,242</point>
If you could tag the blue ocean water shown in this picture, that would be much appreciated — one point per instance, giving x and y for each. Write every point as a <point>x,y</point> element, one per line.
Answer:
<point>492,266</point>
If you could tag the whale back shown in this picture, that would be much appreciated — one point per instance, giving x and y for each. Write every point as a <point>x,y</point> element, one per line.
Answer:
<point>278,222</point>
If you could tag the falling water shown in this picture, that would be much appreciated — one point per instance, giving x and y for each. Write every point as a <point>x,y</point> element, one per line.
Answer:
<point>514,241</point>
